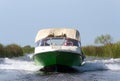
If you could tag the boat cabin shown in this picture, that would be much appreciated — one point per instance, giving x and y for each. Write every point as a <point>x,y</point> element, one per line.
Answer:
<point>58,37</point>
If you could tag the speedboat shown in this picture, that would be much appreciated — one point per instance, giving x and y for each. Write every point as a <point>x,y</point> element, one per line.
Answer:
<point>58,46</point>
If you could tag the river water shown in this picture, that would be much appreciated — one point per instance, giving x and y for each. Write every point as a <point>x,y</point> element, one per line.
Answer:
<point>94,69</point>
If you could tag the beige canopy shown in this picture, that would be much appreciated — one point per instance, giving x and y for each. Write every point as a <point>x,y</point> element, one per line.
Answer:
<point>57,32</point>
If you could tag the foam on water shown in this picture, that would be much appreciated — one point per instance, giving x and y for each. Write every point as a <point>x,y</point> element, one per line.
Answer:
<point>21,63</point>
<point>24,63</point>
<point>23,68</point>
<point>94,65</point>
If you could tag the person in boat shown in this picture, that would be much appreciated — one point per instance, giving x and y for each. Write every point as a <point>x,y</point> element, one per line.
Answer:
<point>71,42</point>
<point>68,43</point>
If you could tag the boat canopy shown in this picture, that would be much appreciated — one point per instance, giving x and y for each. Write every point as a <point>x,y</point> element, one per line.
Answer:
<point>58,32</point>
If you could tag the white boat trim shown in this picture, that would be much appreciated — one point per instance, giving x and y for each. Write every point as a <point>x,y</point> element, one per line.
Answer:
<point>72,49</point>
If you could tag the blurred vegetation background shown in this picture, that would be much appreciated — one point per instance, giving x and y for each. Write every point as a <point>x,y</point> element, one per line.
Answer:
<point>109,50</point>
<point>105,48</point>
<point>14,50</point>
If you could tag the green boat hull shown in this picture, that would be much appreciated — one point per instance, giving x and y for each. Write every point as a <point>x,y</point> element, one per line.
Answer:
<point>57,58</point>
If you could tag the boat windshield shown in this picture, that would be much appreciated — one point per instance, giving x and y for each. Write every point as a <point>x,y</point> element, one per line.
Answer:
<point>58,41</point>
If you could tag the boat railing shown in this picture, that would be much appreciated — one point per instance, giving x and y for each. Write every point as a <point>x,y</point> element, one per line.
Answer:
<point>58,42</point>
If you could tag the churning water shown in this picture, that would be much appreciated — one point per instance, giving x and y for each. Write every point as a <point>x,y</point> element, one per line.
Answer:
<point>24,69</point>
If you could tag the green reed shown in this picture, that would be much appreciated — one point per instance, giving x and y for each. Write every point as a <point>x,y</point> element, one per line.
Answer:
<point>109,50</point>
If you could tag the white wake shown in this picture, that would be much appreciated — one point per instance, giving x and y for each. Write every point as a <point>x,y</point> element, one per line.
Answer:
<point>94,65</point>
<point>21,63</point>
<point>25,63</point>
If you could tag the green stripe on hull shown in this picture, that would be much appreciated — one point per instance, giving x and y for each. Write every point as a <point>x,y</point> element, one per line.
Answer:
<point>57,58</point>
